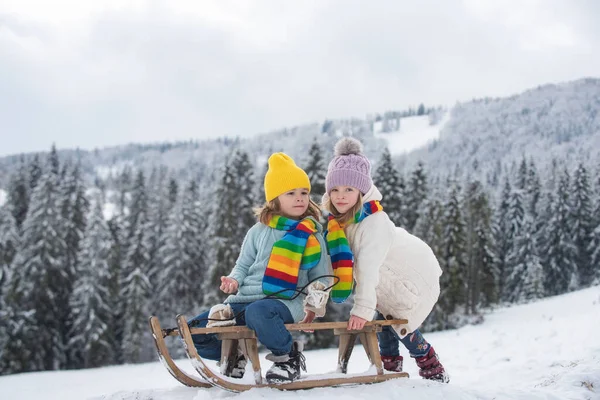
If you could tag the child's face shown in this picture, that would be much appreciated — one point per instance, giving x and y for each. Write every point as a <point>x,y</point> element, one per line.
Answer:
<point>344,197</point>
<point>294,203</point>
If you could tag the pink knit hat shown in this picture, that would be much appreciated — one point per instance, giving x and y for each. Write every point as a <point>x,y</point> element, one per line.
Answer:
<point>349,167</point>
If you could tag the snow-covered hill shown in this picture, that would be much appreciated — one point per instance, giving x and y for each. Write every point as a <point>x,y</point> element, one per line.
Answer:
<point>413,133</point>
<point>543,350</point>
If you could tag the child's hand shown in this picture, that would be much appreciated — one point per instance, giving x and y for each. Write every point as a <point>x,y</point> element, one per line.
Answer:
<point>228,285</point>
<point>308,318</point>
<point>356,323</point>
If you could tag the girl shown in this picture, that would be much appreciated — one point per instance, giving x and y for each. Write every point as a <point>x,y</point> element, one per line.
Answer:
<point>396,274</point>
<point>283,252</point>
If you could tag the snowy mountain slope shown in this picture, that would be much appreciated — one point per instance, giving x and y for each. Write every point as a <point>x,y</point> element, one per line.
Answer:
<point>561,120</point>
<point>2,197</point>
<point>544,350</point>
<point>413,133</point>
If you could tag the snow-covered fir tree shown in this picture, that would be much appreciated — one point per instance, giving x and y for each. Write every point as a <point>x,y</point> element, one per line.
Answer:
<point>559,263</point>
<point>453,258</point>
<point>35,172</point>
<point>416,193</point>
<point>39,276</point>
<point>481,276</point>
<point>182,257</point>
<point>516,216</point>
<point>19,193</point>
<point>136,287</point>
<point>158,215</point>
<point>533,193</point>
<point>74,210</point>
<point>316,171</point>
<point>582,224</point>
<point>230,220</point>
<point>392,186</point>
<point>502,235</point>
<point>594,246</point>
<point>91,343</point>
<point>9,243</point>
<point>526,281</point>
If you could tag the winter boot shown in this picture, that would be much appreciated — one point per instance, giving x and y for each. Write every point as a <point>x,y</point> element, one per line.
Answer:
<point>431,368</point>
<point>236,370</point>
<point>286,368</point>
<point>392,363</point>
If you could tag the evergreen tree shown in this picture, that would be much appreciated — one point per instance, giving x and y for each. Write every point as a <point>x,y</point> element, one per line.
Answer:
<point>18,194</point>
<point>453,260</point>
<point>594,246</point>
<point>173,192</point>
<point>415,195</point>
<point>39,278</point>
<point>135,283</point>
<point>91,342</point>
<point>9,243</point>
<point>526,281</point>
<point>481,274</point>
<point>316,170</point>
<point>116,260</point>
<point>158,214</point>
<point>182,256</point>
<point>522,176</point>
<point>582,221</point>
<point>533,193</point>
<point>230,221</point>
<point>53,161</point>
<point>35,172</point>
<point>74,210</point>
<point>429,226</point>
<point>502,235</point>
<point>560,264</point>
<point>391,184</point>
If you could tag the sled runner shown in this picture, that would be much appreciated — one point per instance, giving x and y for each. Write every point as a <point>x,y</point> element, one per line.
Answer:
<point>242,336</point>
<point>167,361</point>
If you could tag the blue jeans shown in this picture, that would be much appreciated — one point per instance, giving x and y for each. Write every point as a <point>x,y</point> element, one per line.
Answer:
<point>389,341</point>
<point>266,317</point>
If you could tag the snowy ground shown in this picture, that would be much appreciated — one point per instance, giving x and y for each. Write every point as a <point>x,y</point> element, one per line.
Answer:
<point>414,132</point>
<point>2,197</point>
<point>545,350</point>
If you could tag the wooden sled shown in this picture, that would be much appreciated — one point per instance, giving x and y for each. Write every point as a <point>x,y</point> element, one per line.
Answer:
<point>163,355</point>
<point>245,338</point>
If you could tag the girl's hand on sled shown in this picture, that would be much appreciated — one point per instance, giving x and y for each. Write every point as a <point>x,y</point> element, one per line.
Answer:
<point>228,285</point>
<point>356,323</point>
<point>308,318</point>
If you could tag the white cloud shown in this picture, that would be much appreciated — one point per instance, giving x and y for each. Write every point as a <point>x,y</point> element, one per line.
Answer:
<point>102,73</point>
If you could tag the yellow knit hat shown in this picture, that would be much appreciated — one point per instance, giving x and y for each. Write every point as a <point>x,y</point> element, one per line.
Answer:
<point>283,175</point>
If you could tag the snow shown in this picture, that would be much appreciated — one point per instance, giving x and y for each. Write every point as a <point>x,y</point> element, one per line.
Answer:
<point>414,132</point>
<point>543,350</point>
<point>2,197</point>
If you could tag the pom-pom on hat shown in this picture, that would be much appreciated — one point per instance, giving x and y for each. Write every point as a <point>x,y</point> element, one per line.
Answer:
<point>349,167</point>
<point>283,175</point>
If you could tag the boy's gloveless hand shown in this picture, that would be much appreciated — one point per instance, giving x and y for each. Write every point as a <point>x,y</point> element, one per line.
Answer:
<point>356,323</point>
<point>228,285</point>
<point>308,318</point>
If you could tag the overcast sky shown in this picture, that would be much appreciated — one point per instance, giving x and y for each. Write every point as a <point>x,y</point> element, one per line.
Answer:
<point>95,73</point>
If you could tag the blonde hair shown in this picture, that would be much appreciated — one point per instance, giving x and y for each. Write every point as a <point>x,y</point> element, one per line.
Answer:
<point>348,215</point>
<point>273,207</point>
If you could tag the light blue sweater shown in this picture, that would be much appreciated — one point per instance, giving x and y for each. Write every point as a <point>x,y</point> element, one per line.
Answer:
<point>252,262</point>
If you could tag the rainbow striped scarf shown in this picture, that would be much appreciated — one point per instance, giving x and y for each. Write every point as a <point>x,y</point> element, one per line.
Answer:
<point>298,249</point>
<point>342,259</point>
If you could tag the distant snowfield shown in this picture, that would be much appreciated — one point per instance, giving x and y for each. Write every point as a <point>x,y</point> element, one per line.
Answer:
<point>2,197</point>
<point>415,132</point>
<point>544,350</point>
